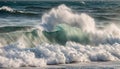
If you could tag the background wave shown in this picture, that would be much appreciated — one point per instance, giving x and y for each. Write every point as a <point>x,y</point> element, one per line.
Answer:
<point>5,10</point>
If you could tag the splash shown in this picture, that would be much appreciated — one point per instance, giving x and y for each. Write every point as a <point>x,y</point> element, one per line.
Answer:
<point>63,14</point>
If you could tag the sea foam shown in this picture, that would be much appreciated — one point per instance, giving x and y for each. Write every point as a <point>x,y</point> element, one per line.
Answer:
<point>45,54</point>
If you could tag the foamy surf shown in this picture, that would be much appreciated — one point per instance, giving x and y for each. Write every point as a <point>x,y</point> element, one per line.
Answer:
<point>63,36</point>
<point>46,54</point>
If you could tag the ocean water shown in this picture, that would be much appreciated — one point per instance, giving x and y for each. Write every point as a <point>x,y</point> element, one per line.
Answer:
<point>43,33</point>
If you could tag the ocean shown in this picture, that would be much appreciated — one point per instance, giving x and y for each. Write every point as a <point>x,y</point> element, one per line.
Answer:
<point>60,34</point>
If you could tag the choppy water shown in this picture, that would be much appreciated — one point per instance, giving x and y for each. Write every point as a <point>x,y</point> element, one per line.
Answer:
<point>40,33</point>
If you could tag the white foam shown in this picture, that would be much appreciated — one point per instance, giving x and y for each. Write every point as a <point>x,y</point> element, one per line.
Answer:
<point>108,35</point>
<point>63,14</point>
<point>14,56</point>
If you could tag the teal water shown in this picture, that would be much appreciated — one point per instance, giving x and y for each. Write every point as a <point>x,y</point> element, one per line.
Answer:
<point>63,33</point>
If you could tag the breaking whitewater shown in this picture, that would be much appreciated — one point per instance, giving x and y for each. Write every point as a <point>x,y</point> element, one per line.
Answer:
<point>63,36</point>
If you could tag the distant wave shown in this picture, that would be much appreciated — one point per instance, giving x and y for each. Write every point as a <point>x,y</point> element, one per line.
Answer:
<point>9,10</point>
<point>5,8</point>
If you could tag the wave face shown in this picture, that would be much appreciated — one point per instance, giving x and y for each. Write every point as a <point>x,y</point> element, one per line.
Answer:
<point>63,36</point>
<point>63,33</point>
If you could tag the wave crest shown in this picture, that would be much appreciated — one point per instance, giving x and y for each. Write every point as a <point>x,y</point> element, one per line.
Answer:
<point>63,14</point>
<point>6,8</point>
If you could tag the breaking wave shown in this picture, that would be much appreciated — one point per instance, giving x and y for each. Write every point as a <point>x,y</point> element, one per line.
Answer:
<point>64,15</point>
<point>63,36</point>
